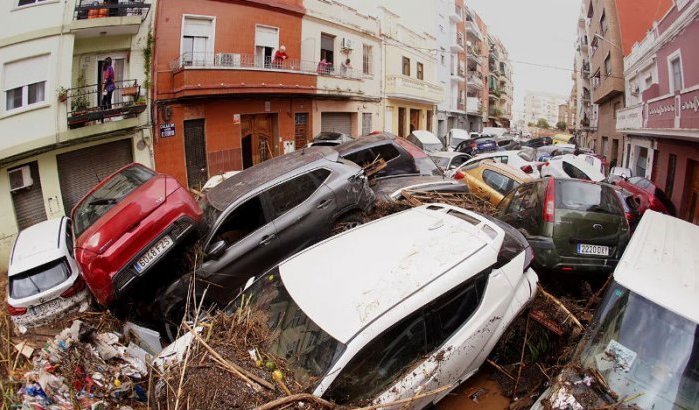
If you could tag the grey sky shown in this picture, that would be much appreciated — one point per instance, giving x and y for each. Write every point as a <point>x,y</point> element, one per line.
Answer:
<point>534,31</point>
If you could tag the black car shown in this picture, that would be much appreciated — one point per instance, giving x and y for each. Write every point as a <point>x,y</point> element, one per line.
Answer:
<point>539,142</point>
<point>506,143</point>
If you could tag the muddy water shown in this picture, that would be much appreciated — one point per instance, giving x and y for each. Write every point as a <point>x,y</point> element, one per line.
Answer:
<point>487,393</point>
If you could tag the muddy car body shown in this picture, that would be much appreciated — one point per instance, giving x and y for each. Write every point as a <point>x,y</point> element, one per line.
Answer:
<point>643,342</point>
<point>389,189</point>
<point>44,279</point>
<point>127,224</point>
<point>270,211</point>
<point>418,318</point>
<point>648,194</point>
<point>491,180</point>
<point>573,225</point>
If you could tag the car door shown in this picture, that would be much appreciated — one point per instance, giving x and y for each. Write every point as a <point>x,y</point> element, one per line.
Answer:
<point>245,236</point>
<point>520,209</point>
<point>302,209</point>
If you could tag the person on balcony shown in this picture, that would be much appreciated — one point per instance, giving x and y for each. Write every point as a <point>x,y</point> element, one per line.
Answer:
<point>108,85</point>
<point>323,66</point>
<point>280,57</point>
<point>346,66</point>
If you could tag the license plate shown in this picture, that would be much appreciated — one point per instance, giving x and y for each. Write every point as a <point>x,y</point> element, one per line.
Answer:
<point>47,308</point>
<point>584,249</point>
<point>152,254</point>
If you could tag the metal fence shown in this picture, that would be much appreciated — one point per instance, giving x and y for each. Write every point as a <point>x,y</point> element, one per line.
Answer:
<point>90,9</point>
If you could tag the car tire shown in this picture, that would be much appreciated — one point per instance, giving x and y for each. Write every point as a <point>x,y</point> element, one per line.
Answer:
<point>346,222</point>
<point>173,304</point>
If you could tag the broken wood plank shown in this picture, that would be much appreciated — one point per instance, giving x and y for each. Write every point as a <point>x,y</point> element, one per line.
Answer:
<point>544,321</point>
<point>558,303</point>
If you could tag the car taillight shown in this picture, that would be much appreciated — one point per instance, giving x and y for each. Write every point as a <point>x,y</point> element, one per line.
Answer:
<point>550,201</point>
<point>459,175</point>
<point>16,311</point>
<point>528,169</point>
<point>78,286</point>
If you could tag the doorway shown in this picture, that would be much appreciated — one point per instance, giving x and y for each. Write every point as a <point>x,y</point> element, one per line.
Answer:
<point>119,66</point>
<point>693,192</point>
<point>195,153</point>
<point>301,130</point>
<point>401,122</point>
<point>414,120</point>
<point>258,139</point>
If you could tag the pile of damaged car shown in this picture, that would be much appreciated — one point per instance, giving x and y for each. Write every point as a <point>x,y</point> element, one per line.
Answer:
<point>373,270</point>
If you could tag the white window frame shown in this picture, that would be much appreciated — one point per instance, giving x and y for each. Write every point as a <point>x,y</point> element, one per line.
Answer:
<point>677,55</point>
<point>16,5</point>
<point>25,91</point>
<point>211,46</point>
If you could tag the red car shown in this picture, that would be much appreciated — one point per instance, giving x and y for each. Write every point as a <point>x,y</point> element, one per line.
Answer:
<point>127,223</point>
<point>647,193</point>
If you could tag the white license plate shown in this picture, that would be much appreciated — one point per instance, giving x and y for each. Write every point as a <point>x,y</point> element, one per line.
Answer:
<point>584,249</point>
<point>46,308</point>
<point>152,254</point>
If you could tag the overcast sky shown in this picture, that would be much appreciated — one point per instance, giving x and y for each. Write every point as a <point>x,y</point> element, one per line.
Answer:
<point>541,32</point>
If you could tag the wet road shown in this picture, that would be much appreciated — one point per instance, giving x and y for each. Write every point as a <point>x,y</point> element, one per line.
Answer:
<point>486,392</point>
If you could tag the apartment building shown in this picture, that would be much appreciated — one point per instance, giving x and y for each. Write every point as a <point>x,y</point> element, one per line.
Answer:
<point>59,137</point>
<point>477,70</point>
<point>661,120</point>
<point>499,84</point>
<point>539,105</point>
<point>611,28</point>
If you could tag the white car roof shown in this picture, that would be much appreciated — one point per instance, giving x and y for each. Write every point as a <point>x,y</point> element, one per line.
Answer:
<point>400,254</point>
<point>35,246</point>
<point>661,263</point>
<point>446,154</point>
<point>459,132</point>
<point>588,169</point>
<point>426,137</point>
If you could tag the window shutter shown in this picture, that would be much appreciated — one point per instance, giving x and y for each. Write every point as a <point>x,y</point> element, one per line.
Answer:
<point>24,72</point>
<point>267,36</point>
<point>197,27</point>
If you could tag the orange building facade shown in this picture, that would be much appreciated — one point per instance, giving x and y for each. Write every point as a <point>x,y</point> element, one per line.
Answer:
<point>222,100</point>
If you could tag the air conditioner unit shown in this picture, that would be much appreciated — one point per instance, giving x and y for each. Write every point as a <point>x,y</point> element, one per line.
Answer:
<point>346,44</point>
<point>20,178</point>
<point>228,59</point>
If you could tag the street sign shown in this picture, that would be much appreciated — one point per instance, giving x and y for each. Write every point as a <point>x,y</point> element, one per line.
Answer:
<point>167,130</point>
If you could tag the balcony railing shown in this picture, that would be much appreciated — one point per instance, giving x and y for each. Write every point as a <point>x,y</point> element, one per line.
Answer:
<point>86,108</point>
<point>255,62</point>
<point>404,86</point>
<point>472,28</point>
<point>473,105</point>
<point>91,9</point>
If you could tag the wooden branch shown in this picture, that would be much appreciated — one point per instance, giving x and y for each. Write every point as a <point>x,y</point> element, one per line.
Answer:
<point>558,303</point>
<point>408,400</point>
<point>503,371</point>
<point>294,398</point>
<point>521,358</point>
<point>243,374</point>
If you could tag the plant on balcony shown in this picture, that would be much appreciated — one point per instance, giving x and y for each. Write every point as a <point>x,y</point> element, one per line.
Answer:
<point>62,94</point>
<point>80,101</point>
<point>147,57</point>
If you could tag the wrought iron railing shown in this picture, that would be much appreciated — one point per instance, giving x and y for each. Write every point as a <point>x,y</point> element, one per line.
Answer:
<point>86,104</point>
<point>256,62</point>
<point>91,9</point>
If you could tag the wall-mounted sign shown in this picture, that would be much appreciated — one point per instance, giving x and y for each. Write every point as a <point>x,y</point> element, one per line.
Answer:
<point>167,130</point>
<point>236,119</point>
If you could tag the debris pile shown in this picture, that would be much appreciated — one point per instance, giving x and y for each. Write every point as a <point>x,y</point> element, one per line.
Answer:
<point>82,368</point>
<point>465,200</point>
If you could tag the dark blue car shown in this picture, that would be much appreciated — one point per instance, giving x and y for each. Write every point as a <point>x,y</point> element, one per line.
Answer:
<point>484,143</point>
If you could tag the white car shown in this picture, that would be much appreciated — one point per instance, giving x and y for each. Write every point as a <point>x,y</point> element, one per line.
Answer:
<point>456,136</point>
<point>515,159</point>
<point>426,140</point>
<point>44,280</point>
<point>593,161</point>
<point>449,160</point>
<point>570,166</point>
<point>423,307</point>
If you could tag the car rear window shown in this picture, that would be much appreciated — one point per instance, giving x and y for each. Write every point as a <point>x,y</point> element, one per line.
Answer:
<point>39,279</point>
<point>573,171</point>
<point>111,193</point>
<point>586,197</point>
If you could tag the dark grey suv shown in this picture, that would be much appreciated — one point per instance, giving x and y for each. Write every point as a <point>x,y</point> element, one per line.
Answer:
<point>268,212</point>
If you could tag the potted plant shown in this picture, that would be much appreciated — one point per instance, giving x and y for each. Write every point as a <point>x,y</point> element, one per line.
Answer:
<point>62,94</point>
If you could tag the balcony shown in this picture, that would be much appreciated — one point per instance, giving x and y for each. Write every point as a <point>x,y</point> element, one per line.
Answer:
<point>472,29</point>
<point>475,80</point>
<point>401,86</point>
<point>455,15</point>
<point>495,112</point>
<point>86,109</point>
<point>458,46</point>
<point>473,105</point>
<point>474,54</point>
<point>234,73</point>
<point>94,19</point>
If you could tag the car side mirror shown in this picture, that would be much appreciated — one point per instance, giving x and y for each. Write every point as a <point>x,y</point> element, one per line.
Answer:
<point>216,249</point>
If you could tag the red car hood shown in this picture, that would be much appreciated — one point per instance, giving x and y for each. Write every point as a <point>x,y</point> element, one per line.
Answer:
<point>124,216</point>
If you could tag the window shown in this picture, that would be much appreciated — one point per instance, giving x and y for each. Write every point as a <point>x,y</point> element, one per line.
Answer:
<point>670,180</point>
<point>39,279</point>
<point>603,23</point>
<point>608,65</point>
<point>25,82</point>
<point>444,60</point>
<point>293,192</point>
<point>244,220</point>
<point>617,107</point>
<point>406,66</point>
<point>196,41</point>
<point>585,197</point>
<point>327,48</point>
<point>266,41</point>
<point>523,199</point>
<point>21,3</point>
<point>676,74</point>
<point>499,182</point>
<point>366,59</point>
<point>420,71</point>
<point>573,171</point>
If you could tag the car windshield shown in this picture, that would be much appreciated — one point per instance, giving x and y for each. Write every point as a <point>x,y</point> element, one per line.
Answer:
<point>39,279</point>
<point>308,350</point>
<point>646,353</point>
<point>586,197</point>
<point>105,197</point>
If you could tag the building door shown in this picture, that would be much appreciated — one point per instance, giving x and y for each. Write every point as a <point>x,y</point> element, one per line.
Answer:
<point>366,123</point>
<point>615,152</point>
<point>258,139</point>
<point>693,192</point>
<point>336,122</point>
<point>429,120</point>
<point>29,202</point>
<point>195,153</point>
<point>401,122</point>
<point>119,67</point>
<point>80,170</point>
<point>414,120</point>
<point>301,130</point>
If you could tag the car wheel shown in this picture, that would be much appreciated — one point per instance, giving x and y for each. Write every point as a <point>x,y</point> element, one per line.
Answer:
<point>347,222</point>
<point>173,307</point>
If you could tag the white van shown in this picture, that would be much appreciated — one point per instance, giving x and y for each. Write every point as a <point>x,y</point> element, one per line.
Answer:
<point>644,341</point>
